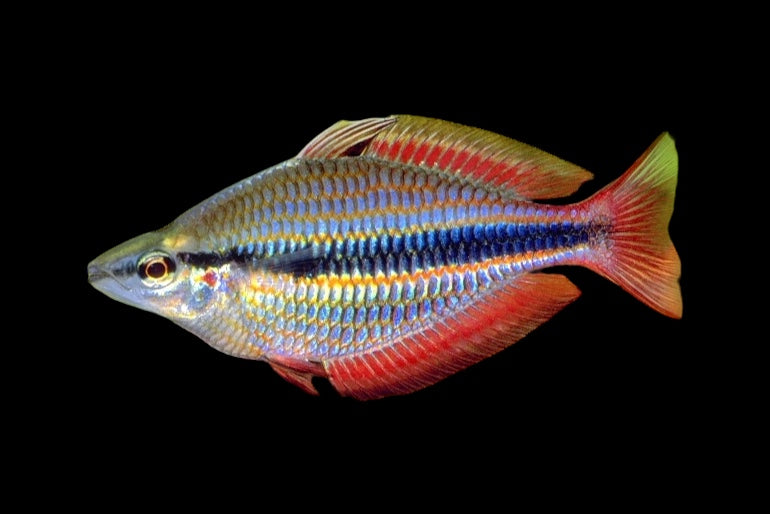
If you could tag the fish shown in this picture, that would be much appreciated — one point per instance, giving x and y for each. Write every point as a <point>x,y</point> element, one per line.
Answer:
<point>391,253</point>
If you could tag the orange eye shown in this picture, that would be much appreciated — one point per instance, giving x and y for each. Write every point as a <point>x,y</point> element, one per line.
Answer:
<point>156,267</point>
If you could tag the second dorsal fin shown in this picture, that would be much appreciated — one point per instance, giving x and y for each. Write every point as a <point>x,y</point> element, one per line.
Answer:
<point>483,156</point>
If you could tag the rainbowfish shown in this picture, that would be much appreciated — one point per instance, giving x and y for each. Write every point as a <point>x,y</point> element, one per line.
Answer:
<point>393,252</point>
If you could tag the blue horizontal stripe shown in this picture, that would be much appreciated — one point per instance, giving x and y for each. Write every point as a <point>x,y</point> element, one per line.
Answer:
<point>401,253</point>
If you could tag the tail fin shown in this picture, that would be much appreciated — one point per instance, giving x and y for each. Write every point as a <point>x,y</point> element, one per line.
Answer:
<point>642,259</point>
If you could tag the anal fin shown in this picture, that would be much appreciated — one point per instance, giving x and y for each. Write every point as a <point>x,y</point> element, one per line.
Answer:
<point>493,321</point>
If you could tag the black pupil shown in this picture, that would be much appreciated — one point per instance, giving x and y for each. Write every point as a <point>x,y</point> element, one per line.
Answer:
<point>156,269</point>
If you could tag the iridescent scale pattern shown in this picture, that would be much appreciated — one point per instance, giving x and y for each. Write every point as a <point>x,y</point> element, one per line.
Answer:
<point>395,249</point>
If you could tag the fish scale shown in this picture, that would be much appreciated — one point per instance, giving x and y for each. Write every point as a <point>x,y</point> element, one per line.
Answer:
<point>383,202</point>
<point>385,234</point>
<point>392,252</point>
<point>350,262</point>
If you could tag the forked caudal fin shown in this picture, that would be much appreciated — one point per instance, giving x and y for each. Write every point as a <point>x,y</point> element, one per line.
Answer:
<point>640,255</point>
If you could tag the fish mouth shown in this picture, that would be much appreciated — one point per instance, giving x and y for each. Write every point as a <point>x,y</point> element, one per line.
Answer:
<point>103,280</point>
<point>95,274</point>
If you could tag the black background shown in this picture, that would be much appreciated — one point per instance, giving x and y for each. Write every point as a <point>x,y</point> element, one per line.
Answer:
<point>152,126</point>
<point>164,149</point>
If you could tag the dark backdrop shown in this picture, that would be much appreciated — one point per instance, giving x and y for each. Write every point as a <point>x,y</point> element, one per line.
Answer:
<point>151,131</point>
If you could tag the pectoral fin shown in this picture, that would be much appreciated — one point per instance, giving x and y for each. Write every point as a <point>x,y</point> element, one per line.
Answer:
<point>298,372</point>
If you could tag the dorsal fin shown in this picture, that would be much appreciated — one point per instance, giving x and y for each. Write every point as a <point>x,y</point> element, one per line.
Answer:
<point>483,156</point>
<point>344,138</point>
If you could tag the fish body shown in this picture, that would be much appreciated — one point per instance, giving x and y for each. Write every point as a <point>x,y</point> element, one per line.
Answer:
<point>393,252</point>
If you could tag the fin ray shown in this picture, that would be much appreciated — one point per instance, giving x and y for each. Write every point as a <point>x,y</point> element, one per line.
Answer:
<point>344,138</point>
<point>641,257</point>
<point>527,172</point>
<point>298,372</point>
<point>515,168</point>
<point>494,321</point>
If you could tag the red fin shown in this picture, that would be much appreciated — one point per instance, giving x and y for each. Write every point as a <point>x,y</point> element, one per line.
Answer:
<point>492,322</point>
<point>344,138</point>
<point>518,168</point>
<point>514,167</point>
<point>298,372</point>
<point>641,257</point>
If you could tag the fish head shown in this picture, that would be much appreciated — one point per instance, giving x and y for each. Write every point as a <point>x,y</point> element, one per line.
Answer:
<point>148,272</point>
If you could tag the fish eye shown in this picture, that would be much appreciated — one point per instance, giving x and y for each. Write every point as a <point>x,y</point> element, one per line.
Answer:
<point>156,269</point>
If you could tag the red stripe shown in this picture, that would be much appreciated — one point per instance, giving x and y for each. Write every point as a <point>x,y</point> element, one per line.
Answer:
<point>482,169</point>
<point>422,150</point>
<point>472,166</point>
<point>501,172</point>
<point>446,158</point>
<point>433,155</point>
<point>379,147</point>
<point>394,149</point>
<point>409,149</point>
<point>460,160</point>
